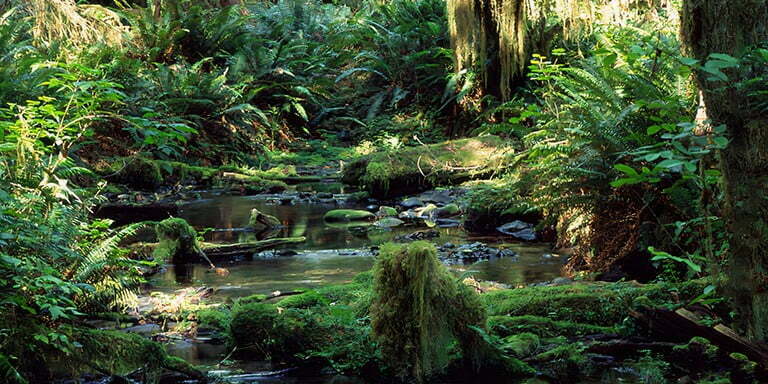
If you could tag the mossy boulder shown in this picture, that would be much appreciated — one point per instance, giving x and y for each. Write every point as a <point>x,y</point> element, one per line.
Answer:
<point>411,170</point>
<point>213,318</point>
<point>448,210</point>
<point>348,215</point>
<point>263,330</point>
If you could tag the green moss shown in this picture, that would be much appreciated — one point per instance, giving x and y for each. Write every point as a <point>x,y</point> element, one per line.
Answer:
<point>178,172</point>
<point>255,298</point>
<point>347,215</point>
<point>418,309</point>
<point>571,353</point>
<point>598,304</point>
<point>177,241</point>
<point>410,170</point>
<point>385,211</point>
<point>521,345</point>
<point>504,326</point>
<point>305,300</point>
<point>263,331</point>
<point>215,319</point>
<point>449,210</point>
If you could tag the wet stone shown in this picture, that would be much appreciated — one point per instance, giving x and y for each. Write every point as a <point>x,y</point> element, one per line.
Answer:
<point>411,203</point>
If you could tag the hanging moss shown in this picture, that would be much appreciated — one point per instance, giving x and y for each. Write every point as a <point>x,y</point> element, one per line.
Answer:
<point>419,309</point>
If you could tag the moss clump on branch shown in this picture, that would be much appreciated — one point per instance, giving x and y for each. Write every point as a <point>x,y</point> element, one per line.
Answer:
<point>415,169</point>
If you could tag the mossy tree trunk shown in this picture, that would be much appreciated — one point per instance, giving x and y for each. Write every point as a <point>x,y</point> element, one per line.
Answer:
<point>731,27</point>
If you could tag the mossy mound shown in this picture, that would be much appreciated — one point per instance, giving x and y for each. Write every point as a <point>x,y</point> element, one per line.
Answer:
<point>590,303</point>
<point>102,352</point>
<point>305,300</point>
<point>416,169</point>
<point>263,331</point>
<point>348,215</point>
<point>419,309</point>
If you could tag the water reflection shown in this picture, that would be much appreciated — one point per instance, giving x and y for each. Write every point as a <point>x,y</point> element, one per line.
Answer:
<point>321,259</point>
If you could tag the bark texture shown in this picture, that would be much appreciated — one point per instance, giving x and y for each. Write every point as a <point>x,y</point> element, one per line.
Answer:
<point>732,27</point>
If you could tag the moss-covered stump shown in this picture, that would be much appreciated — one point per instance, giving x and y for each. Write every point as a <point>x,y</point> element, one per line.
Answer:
<point>177,242</point>
<point>419,309</point>
<point>416,169</point>
<point>348,215</point>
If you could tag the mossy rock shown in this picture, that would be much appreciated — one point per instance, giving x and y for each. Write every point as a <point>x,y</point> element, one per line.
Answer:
<point>448,210</point>
<point>348,215</point>
<point>118,353</point>
<point>263,331</point>
<point>401,172</point>
<point>385,211</point>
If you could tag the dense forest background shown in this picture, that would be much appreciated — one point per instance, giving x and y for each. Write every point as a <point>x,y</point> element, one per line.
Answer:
<point>632,132</point>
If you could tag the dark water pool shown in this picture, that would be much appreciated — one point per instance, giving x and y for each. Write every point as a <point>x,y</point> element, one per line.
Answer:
<point>331,254</point>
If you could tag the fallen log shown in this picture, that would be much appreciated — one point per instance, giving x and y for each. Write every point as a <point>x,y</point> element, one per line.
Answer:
<point>216,251</point>
<point>682,325</point>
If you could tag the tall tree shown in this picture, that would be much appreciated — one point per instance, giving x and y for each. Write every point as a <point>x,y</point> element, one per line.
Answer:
<point>732,27</point>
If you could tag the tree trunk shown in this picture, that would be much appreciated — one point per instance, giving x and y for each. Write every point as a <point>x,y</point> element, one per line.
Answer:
<point>731,27</point>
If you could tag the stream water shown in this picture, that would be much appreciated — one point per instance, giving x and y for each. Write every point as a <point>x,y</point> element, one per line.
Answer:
<point>330,255</point>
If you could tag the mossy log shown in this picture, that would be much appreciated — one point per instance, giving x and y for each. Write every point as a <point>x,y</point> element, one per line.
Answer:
<point>412,170</point>
<point>681,325</point>
<point>216,251</point>
<point>603,304</point>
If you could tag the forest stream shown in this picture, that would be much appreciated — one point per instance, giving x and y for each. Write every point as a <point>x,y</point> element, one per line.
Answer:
<point>331,254</point>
